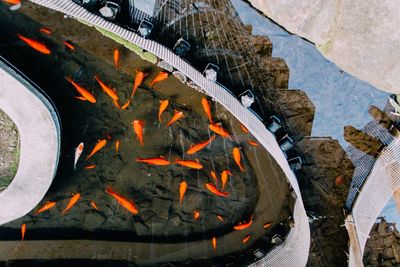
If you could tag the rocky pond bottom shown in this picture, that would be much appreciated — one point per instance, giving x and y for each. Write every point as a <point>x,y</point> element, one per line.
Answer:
<point>260,193</point>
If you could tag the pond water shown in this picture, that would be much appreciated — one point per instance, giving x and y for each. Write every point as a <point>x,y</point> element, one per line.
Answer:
<point>260,193</point>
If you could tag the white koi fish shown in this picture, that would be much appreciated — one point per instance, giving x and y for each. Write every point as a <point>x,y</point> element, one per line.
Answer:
<point>78,153</point>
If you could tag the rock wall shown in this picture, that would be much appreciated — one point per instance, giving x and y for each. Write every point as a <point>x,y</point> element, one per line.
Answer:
<point>298,110</point>
<point>358,36</point>
<point>331,170</point>
<point>383,247</point>
<point>324,180</point>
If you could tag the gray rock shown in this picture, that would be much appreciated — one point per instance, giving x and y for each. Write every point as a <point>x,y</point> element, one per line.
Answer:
<point>350,33</point>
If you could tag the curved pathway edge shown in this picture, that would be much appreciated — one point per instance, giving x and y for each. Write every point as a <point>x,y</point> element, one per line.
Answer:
<point>39,129</point>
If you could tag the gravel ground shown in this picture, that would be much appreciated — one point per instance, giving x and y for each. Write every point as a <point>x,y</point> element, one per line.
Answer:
<point>9,150</point>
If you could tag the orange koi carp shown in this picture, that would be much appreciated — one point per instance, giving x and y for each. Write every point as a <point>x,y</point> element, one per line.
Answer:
<point>196,215</point>
<point>246,239</point>
<point>89,167</point>
<point>116,58</point>
<point>210,187</point>
<point>189,164</point>
<point>126,105</point>
<point>71,203</point>
<point>124,202</point>
<point>243,226</point>
<point>15,4</point>
<point>182,190</point>
<point>244,129</point>
<point>93,204</point>
<point>38,46</point>
<point>78,153</point>
<point>100,144</point>
<point>138,81</point>
<point>207,108</point>
<point>84,93</point>
<point>160,77</point>
<point>69,45</point>
<point>81,98</point>
<point>197,147</point>
<point>23,231</point>
<point>224,177</point>
<point>138,128</point>
<point>177,116</point>
<point>163,106</point>
<point>45,31</point>
<point>252,143</point>
<point>161,161</point>
<point>237,157</point>
<point>12,2</point>
<point>267,225</point>
<point>219,217</point>
<point>214,242</point>
<point>116,146</point>
<point>217,128</point>
<point>47,206</point>
<point>214,176</point>
<point>108,90</point>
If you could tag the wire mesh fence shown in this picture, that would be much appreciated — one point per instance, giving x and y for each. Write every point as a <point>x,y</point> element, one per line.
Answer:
<point>363,162</point>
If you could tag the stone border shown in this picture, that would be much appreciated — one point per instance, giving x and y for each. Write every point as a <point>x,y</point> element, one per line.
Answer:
<point>39,129</point>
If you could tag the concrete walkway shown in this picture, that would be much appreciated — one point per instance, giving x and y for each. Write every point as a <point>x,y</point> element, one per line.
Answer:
<point>39,130</point>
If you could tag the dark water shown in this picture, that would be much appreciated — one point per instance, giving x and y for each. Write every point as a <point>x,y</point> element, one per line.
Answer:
<point>154,189</point>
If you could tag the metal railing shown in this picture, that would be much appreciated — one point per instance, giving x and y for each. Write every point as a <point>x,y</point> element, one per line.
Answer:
<point>294,250</point>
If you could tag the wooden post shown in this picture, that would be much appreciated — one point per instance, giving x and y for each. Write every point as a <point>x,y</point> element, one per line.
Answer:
<point>354,242</point>
<point>396,195</point>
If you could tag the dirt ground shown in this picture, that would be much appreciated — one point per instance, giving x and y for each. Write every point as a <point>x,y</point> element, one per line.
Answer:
<point>9,150</point>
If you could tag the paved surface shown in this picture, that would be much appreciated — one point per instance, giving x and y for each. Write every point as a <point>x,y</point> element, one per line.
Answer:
<point>39,132</point>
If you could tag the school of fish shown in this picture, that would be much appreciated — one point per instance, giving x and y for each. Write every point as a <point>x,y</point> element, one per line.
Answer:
<point>215,187</point>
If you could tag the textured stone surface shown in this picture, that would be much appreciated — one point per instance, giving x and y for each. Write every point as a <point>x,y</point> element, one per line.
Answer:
<point>299,111</point>
<point>382,247</point>
<point>359,36</point>
<point>9,150</point>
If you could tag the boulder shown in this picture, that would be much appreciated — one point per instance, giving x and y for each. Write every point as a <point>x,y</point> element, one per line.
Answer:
<point>359,36</point>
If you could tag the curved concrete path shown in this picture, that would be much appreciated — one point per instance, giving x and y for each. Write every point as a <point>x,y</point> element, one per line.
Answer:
<point>39,131</point>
